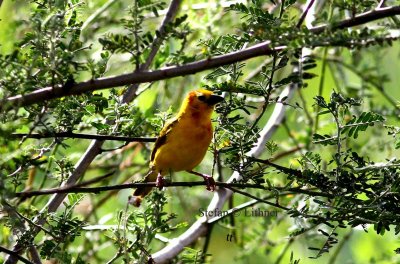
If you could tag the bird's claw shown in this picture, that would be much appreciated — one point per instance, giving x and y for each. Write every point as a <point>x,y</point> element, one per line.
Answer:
<point>210,183</point>
<point>160,182</point>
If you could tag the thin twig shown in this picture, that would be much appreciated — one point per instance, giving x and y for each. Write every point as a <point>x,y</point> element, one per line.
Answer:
<point>284,250</point>
<point>257,71</point>
<point>277,205</point>
<point>97,13</point>
<point>95,180</point>
<point>288,171</point>
<point>83,136</point>
<point>361,19</point>
<point>335,254</point>
<point>286,153</point>
<point>235,210</point>
<point>129,95</point>
<point>106,197</point>
<point>303,16</point>
<point>29,221</point>
<point>321,87</point>
<point>381,4</point>
<point>206,243</point>
<point>258,199</point>
<point>362,75</point>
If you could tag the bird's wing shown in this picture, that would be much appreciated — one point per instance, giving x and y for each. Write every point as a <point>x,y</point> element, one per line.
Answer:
<point>162,138</point>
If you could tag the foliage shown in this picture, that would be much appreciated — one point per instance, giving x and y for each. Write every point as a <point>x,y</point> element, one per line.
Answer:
<point>328,170</point>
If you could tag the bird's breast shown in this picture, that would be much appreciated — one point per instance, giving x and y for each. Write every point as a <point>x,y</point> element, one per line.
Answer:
<point>185,147</point>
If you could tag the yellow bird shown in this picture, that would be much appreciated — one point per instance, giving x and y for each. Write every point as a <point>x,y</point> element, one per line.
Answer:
<point>183,142</point>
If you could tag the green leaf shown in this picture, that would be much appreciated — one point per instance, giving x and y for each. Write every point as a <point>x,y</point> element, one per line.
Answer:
<point>361,123</point>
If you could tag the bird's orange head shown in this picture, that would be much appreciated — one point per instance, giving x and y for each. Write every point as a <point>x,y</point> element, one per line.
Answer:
<point>200,101</point>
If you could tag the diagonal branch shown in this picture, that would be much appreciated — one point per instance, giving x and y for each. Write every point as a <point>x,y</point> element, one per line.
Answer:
<point>155,46</point>
<point>304,14</point>
<point>142,76</point>
<point>13,253</point>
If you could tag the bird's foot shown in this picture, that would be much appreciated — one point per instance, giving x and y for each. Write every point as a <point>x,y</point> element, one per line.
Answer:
<point>160,181</point>
<point>210,182</point>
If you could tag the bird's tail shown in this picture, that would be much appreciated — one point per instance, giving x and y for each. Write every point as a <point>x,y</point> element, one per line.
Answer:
<point>141,192</point>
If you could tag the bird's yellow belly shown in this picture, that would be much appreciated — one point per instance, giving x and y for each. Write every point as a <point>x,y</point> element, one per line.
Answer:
<point>185,151</point>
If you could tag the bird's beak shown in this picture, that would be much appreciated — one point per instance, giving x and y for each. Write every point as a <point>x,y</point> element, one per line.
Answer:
<point>214,99</point>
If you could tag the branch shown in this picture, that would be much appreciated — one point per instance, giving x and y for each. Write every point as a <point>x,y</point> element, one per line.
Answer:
<point>257,50</point>
<point>139,77</point>
<point>78,189</point>
<point>155,46</point>
<point>361,19</point>
<point>235,211</point>
<point>84,136</point>
<point>261,200</point>
<point>285,170</point>
<point>13,253</point>
<point>303,16</point>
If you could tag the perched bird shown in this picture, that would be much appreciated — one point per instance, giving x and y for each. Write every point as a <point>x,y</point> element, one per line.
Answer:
<point>183,142</point>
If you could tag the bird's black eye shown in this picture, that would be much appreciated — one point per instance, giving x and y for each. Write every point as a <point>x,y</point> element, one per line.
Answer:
<point>202,98</point>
